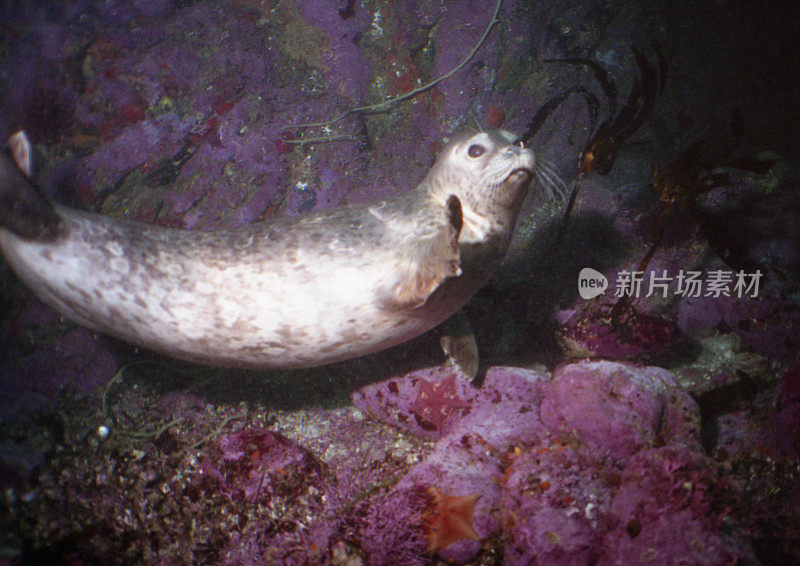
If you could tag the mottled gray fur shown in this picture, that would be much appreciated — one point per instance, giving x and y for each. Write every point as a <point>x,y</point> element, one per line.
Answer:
<point>294,291</point>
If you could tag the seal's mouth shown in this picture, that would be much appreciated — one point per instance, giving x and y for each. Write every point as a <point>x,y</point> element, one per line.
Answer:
<point>520,174</point>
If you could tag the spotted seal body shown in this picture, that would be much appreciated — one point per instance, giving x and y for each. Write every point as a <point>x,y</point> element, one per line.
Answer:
<point>291,292</point>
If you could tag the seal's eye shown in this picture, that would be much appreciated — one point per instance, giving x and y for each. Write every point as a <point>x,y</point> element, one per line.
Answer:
<point>476,150</point>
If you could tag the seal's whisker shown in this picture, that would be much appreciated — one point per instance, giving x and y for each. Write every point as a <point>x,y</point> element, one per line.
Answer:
<point>546,184</point>
<point>548,177</point>
<point>547,165</point>
<point>546,162</point>
<point>561,186</point>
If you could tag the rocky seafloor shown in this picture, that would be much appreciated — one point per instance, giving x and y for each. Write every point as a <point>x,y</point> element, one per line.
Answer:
<point>660,429</point>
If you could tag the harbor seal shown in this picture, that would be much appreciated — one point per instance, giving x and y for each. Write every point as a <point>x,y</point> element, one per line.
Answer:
<point>291,292</point>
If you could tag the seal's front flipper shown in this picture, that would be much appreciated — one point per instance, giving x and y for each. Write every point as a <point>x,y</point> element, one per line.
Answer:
<point>459,345</point>
<point>462,353</point>
<point>24,211</point>
<point>429,258</point>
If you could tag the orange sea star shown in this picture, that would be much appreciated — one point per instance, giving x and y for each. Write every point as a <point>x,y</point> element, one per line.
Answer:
<point>449,519</point>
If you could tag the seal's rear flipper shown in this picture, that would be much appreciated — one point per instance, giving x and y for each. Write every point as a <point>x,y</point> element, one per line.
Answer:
<point>21,151</point>
<point>24,211</point>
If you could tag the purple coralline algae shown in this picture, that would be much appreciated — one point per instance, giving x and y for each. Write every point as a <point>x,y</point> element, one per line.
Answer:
<point>672,506</point>
<point>429,402</point>
<point>205,115</point>
<point>556,467</point>
<point>551,503</point>
<point>769,323</point>
<point>618,408</point>
<point>254,465</point>
<point>467,459</point>
<point>633,335</point>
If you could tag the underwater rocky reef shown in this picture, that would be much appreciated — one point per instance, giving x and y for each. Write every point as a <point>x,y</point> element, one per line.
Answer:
<point>639,396</point>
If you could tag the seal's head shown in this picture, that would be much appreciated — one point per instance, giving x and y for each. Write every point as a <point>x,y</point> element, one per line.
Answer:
<point>489,173</point>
